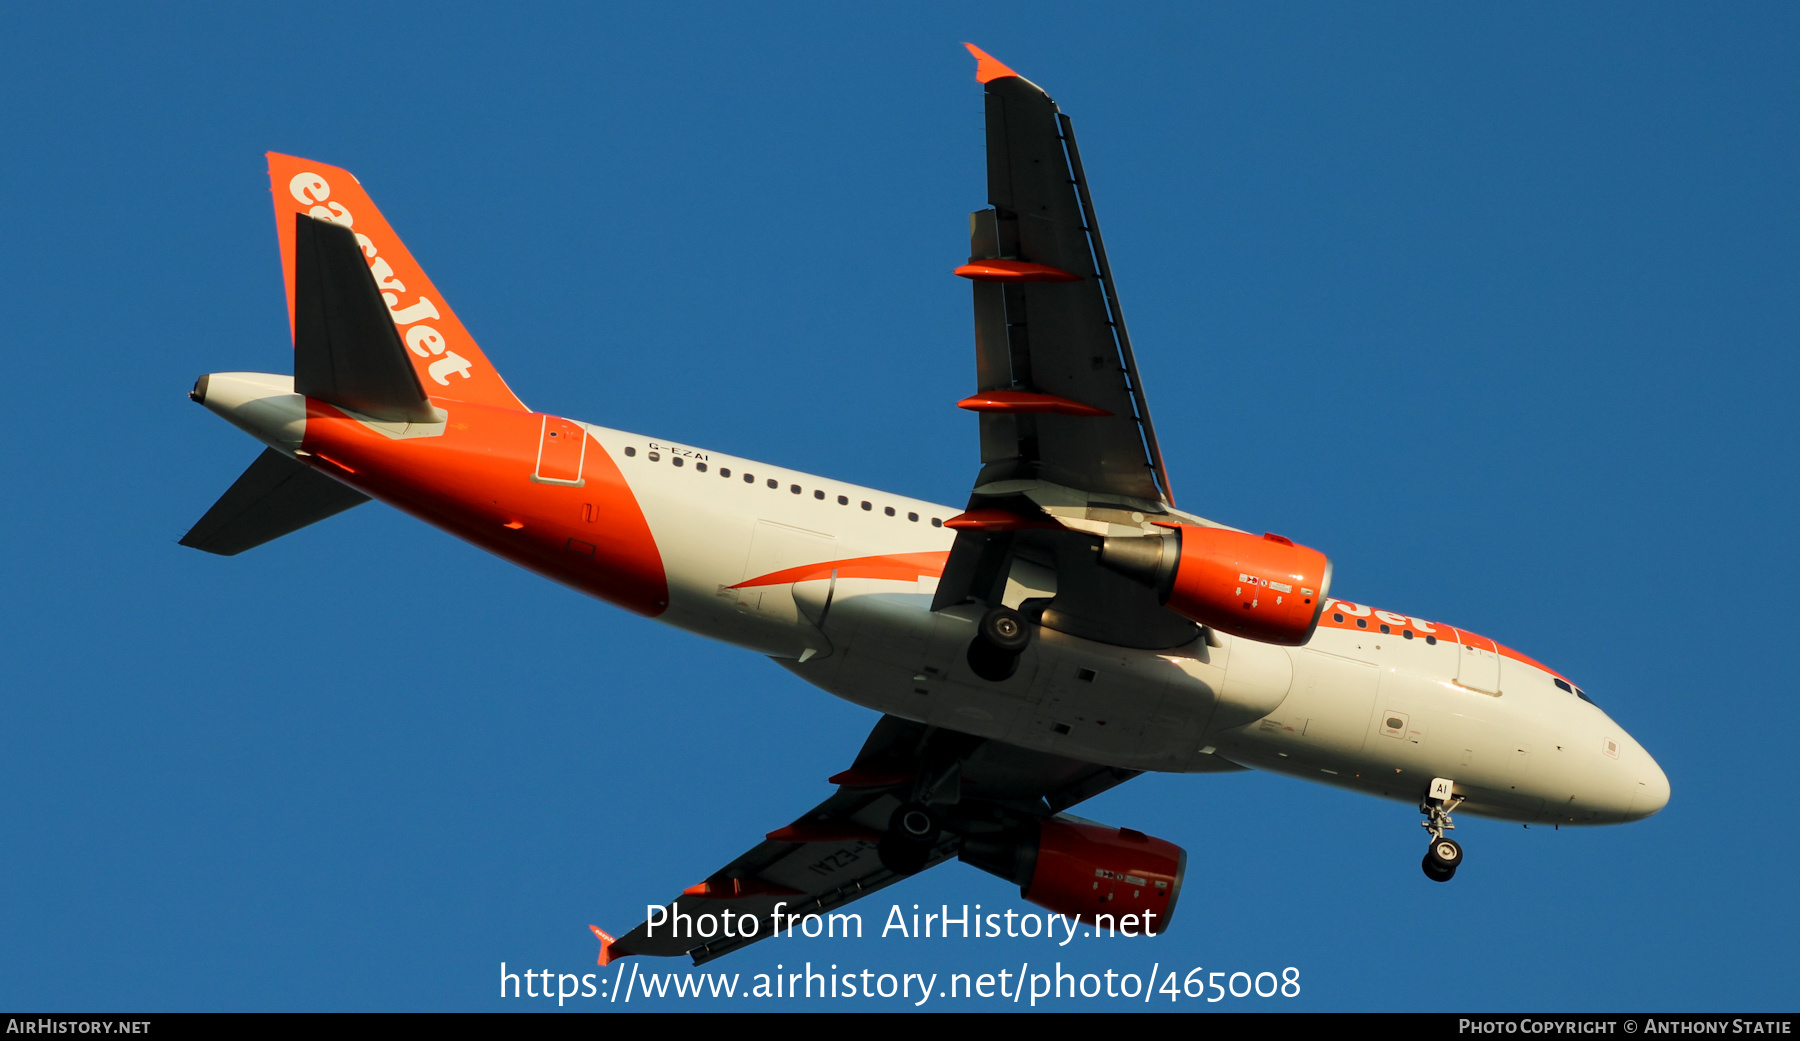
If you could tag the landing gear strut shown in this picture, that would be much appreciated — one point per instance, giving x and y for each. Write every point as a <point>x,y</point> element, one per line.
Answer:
<point>1444,855</point>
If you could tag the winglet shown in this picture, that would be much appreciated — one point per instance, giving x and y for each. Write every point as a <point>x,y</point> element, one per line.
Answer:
<point>607,954</point>
<point>987,67</point>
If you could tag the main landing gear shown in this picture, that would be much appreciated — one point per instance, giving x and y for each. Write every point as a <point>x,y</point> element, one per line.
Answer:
<point>1444,855</point>
<point>1000,637</point>
<point>912,834</point>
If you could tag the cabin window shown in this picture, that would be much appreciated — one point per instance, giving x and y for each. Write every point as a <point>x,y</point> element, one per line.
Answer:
<point>1431,640</point>
<point>912,516</point>
<point>630,450</point>
<point>794,488</point>
<point>843,500</point>
<point>889,511</point>
<point>773,483</point>
<point>677,460</point>
<point>655,456</point>
<point>1385,629</point>
<point>817,494</point>
<point>1406,633</point>
<point>1337,616</point>
<point>1362,623</point>
<point>936,523</point>
<point>724,471</point>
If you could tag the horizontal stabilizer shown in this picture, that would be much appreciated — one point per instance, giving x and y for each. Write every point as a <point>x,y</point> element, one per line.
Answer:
<point>277,495</point>
<point>346,349</point>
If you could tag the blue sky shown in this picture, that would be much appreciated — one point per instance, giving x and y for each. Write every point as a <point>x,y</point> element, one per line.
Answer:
<point>1497,307</point>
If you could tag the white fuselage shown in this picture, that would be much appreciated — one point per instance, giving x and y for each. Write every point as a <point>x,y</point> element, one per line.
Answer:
<point>1378,713</point>
<point>835,582</point>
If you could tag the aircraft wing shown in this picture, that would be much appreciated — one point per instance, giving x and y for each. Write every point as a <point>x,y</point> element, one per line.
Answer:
<point>1068,451</point>
<point>1059,393</point>
<point>830,856</point>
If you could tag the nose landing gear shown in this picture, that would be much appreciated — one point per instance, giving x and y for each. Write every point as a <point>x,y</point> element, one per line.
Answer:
<point>1441,858</point>
<point>1444,855</point>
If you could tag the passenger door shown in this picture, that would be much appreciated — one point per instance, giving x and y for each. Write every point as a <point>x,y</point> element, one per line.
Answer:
<point>1478,662</point>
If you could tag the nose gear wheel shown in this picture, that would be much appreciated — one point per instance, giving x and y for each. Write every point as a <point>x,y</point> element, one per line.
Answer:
<point>1444,855</point>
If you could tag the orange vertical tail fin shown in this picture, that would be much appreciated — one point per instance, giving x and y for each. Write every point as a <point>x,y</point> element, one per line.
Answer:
<point>607,943</point>
<point>445,356</point>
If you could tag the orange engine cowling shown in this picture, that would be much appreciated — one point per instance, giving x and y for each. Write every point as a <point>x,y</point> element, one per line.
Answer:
<point>1265,589</point>
<point>1087,870</point>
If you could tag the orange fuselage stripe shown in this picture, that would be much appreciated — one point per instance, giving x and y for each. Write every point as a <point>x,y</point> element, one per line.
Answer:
<point>897,567</point>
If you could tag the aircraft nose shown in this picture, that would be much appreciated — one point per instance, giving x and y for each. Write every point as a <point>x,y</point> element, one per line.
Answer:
<point>1652,792</point>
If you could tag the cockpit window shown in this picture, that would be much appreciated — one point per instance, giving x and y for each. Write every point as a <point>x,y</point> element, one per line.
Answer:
<point>1582,694</point>
<point>1564,684</point>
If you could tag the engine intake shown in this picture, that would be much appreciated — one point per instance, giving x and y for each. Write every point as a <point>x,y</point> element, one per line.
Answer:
<point>1089,871</point>
<point>1265,589</point>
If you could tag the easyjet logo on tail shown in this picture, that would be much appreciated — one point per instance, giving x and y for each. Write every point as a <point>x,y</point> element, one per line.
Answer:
<point>445,355</point>
<point>423,340</point>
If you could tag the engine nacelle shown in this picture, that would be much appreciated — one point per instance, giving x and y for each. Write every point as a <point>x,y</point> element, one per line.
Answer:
<point>1084,870</point>
<point>1265,589</point>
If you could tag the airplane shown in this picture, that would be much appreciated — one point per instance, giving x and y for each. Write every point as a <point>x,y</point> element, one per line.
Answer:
<point>1066,630</point>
